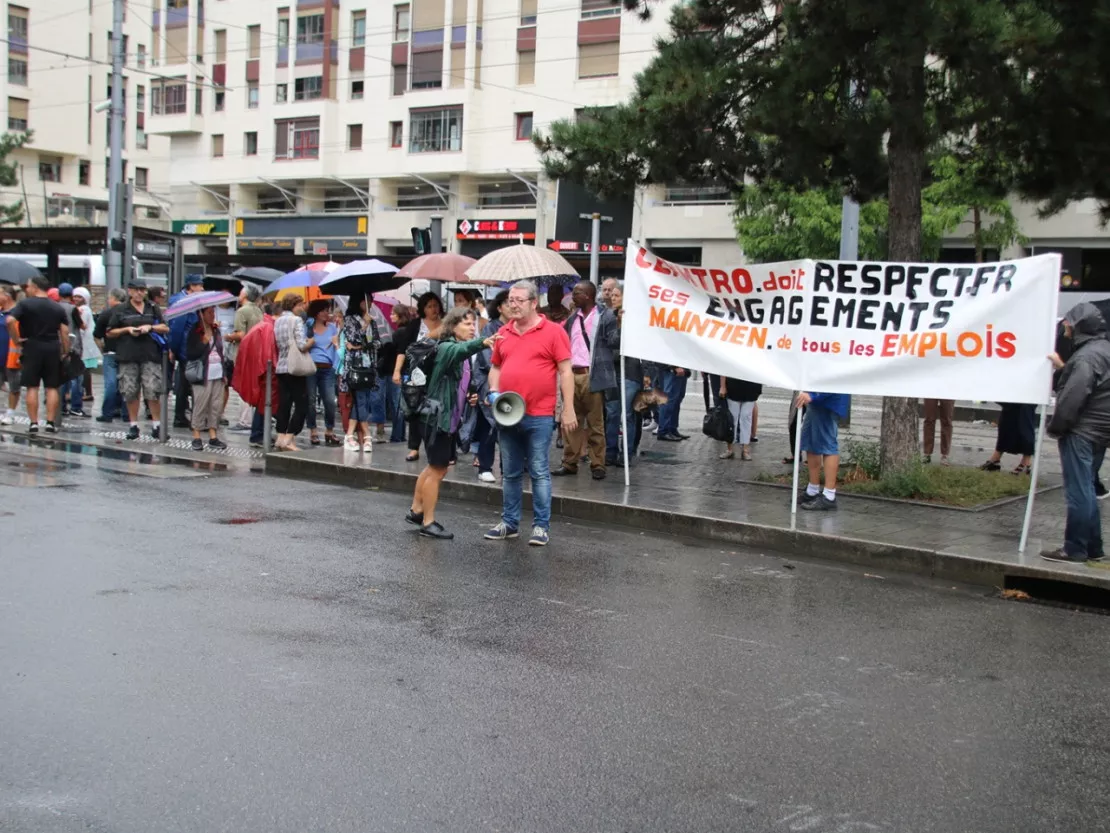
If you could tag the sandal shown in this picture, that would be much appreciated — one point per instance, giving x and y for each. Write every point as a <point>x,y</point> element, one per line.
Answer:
<point>314,440</point>
<point>745,455</point>
<point>352,443</point>
<point>727,455</point>
<point>788,461</point>
<point>1022,469</point>
<point>332,441</point>
<point>367,446</point>
<point>412,457</point>
<point>991,465</point>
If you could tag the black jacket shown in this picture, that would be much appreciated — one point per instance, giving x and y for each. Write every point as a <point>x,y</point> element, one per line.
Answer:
<point>1083,389</point>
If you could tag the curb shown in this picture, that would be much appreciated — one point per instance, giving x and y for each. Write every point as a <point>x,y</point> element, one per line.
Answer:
<point>937,564</point>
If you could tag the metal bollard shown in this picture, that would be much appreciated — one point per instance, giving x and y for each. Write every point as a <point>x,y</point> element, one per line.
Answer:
<point>165,403</point>
<point>268,410</point>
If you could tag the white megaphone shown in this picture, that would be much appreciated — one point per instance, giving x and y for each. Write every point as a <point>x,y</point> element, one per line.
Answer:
<point>508,409</point>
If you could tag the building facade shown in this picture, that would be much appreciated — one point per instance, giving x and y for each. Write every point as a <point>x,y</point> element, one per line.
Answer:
<point>58,58</point>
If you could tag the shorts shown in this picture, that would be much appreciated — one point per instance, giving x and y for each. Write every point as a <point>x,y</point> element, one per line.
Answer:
<point>440,448</point>
<point>42,365</point>
<point>13,376</point>
<point>136,375</point>
<point>819,431</point>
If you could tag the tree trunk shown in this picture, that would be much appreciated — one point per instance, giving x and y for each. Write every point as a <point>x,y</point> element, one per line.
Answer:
<point>906,155</point>
<point>977,232</point>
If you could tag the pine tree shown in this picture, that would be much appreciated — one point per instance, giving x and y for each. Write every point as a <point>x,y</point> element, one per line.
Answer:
<point>848,94</point>
<point>11,215</point>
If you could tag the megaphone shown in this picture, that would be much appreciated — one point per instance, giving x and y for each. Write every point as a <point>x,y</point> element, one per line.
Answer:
<point>508,409</point>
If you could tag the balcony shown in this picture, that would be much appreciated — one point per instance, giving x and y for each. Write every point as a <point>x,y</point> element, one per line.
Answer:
<point>174,124</point>
<point>310,53</point>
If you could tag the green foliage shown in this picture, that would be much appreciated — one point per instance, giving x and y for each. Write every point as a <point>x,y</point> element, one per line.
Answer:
<point>948,485</point>
<point>862,455</point>
<point>9,175</point>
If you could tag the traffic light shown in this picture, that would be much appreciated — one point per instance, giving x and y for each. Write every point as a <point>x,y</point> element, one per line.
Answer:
<point>421,240</point>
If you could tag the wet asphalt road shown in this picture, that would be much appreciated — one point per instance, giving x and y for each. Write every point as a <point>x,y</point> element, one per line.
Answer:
<point>324,669</point>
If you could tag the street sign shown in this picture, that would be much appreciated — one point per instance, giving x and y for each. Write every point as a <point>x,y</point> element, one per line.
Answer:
<point>575,246</point>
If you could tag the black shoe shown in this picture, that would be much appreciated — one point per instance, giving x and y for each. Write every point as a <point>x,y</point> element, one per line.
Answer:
<point>198,445</point>
<point>804,497</point>
<point>436,530</point>
<point>156,432</point>
<point>224,422</point>
<point>1096,557</point>
<point>820,504</point>
<point>682,436</point>
<point>51,428</point>
<point>105,419</point>
<point>133,432</point>
<point>217,443</point>
<point>416,518</point>
<point>563,471</point>
<point>80,414</point>
<point>1062,555</point>
<point>597,474</point>
<point>669,438</point>
<point>33,428</point>
<point>755,439</point>
<point>182,423</point>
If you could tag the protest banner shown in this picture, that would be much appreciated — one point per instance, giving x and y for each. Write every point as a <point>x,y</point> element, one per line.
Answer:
<point>947,331</point>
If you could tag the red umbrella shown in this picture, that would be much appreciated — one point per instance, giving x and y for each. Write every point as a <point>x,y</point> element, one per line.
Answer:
<point>445,266</point>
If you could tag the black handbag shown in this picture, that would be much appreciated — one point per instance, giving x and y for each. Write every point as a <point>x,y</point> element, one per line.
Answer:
<point>719,424</point>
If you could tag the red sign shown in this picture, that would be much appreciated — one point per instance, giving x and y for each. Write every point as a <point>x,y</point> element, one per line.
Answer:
<point>574,246</point>
<point>496,230</point>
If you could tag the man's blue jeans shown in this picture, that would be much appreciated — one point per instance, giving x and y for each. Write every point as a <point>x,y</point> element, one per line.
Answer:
<point>258,426</point>
<point>323,382</point>
<point>392,395</point>
<point>1081,459</point>
<point>527,443</point>
<point>73,394</point>
<point>613,421</point>
<point>111,406</point>
<point>485,435</point>
<point>675,388</point>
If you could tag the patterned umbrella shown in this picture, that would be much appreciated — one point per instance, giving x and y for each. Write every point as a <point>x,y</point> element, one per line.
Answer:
<point>197,302</point>
<point>523,262</point>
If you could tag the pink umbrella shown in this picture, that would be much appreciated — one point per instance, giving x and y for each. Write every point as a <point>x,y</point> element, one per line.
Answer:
<point>386,303</point>
<point>445,266</point>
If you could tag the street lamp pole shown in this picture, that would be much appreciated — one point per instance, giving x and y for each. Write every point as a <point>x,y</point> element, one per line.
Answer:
<point>113,260</point>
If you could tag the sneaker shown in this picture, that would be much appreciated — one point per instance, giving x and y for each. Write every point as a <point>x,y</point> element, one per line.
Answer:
<point>502,532</point>
<point>6,419</point>
<point>804,497</point>
<point>1101,492</point>
<point>133,432</point>
<point>416,518</point>
<point>33,428</point>
<point>156,432</point>
<point>80,414</point>
<point>539,537</point>
<point>435,530</point>
<point>597,474</point>
<point>217,444</point>
<point>487,477</point>
<point>1097,557</point>
<point>51,428</point>
<point>105,419</point>
<point>1062,555</point>
<point>198,445</point>
<point>240,429</point>
<point>224,423</point>
<point>820,504</point>
<point>255,445</point>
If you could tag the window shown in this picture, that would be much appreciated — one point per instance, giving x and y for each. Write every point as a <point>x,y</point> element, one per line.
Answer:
<point>356,89</point>
<point>17,114</point>
<point>310,29</point>
<point>167,98</point>
<point>509,193</point>
<point>50,169</point>
<point>396,134</point>
<point>254,39</point>
<point>141,178</point>
<point>220,95</point>
<point>411,197</point>
<point>140,138</point>
<point>198,100</point>
<point>434,131</point>
<point>523,127</point>
<point>17,25</point>
<point>427,70</point>
<point>708,193</point>
<point>283,33</point>
<point>282,93</point>
<point>140,99</point>
<point>358,29</point>
<point>525,68</point>
<point>140,58</point>
<point>218,144</point>
<point>17,71</point>
<point>308,89</point>
<point>598,60</point>
<point>84,172</point>
<point>600,8</point>
<point>297,138</point>
<point>250,143</point>
<point>354,137</point>
<point>221,46</point>
<point>527,12</point>
<point>400,76</point>
<point>252,95</point>
<point>400,23</point>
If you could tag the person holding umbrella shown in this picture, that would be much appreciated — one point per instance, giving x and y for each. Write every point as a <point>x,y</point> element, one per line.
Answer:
<point>362,340</point>
<point>204,355</point>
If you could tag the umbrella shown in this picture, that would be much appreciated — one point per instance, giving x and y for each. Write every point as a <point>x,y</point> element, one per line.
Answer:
<point>197,302</point>
<point>18,272</point>
<point>523,262</point>
<point>262,275</point>
<point>386,304</point>
<point>311,275</point>
<point>366,276</point>
<point>445,266</point>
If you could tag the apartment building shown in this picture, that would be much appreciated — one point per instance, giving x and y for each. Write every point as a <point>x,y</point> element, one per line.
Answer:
<point>59,70</point>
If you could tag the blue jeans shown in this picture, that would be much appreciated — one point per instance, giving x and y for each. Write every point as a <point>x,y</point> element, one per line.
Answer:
<point>377,405</point>
<point>392,395</point>
<point>73,394</point>
<point>486,437</point>
<point>258,426</point>
<point>111,406</point>
<point>1081,460</point>
<point>323,381</point>
<point>675,388</point>
<point>613,421</point>
<point>527,443</point>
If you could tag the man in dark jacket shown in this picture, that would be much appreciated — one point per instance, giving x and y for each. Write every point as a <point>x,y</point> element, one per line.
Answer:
<point>1081,424</point>
<point>180,327</point>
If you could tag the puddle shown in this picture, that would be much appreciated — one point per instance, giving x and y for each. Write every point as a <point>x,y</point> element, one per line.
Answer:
<point>238,521</point>
<point>40,468</point>
<point>80,450</point>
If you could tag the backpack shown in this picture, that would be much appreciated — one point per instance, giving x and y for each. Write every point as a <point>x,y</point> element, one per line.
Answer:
<point>416,371</point>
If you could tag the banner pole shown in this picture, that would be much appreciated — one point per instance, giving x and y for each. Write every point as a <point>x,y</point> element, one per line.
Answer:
<point>624,424</point>
<point>797,464</point>
<point>1028,520</point>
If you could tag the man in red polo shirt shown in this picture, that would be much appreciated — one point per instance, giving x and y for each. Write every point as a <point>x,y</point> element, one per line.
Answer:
<point>531,354</point>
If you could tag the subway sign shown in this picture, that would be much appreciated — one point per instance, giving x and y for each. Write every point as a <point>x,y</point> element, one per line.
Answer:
<point>201,228</point>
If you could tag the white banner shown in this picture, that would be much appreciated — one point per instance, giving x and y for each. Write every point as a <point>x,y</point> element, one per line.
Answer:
<point>979,331</point>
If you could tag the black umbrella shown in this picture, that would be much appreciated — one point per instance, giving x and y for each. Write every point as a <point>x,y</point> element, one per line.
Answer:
<point>16,271</point>
<point>224,282</point>
<point>262,275</point>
